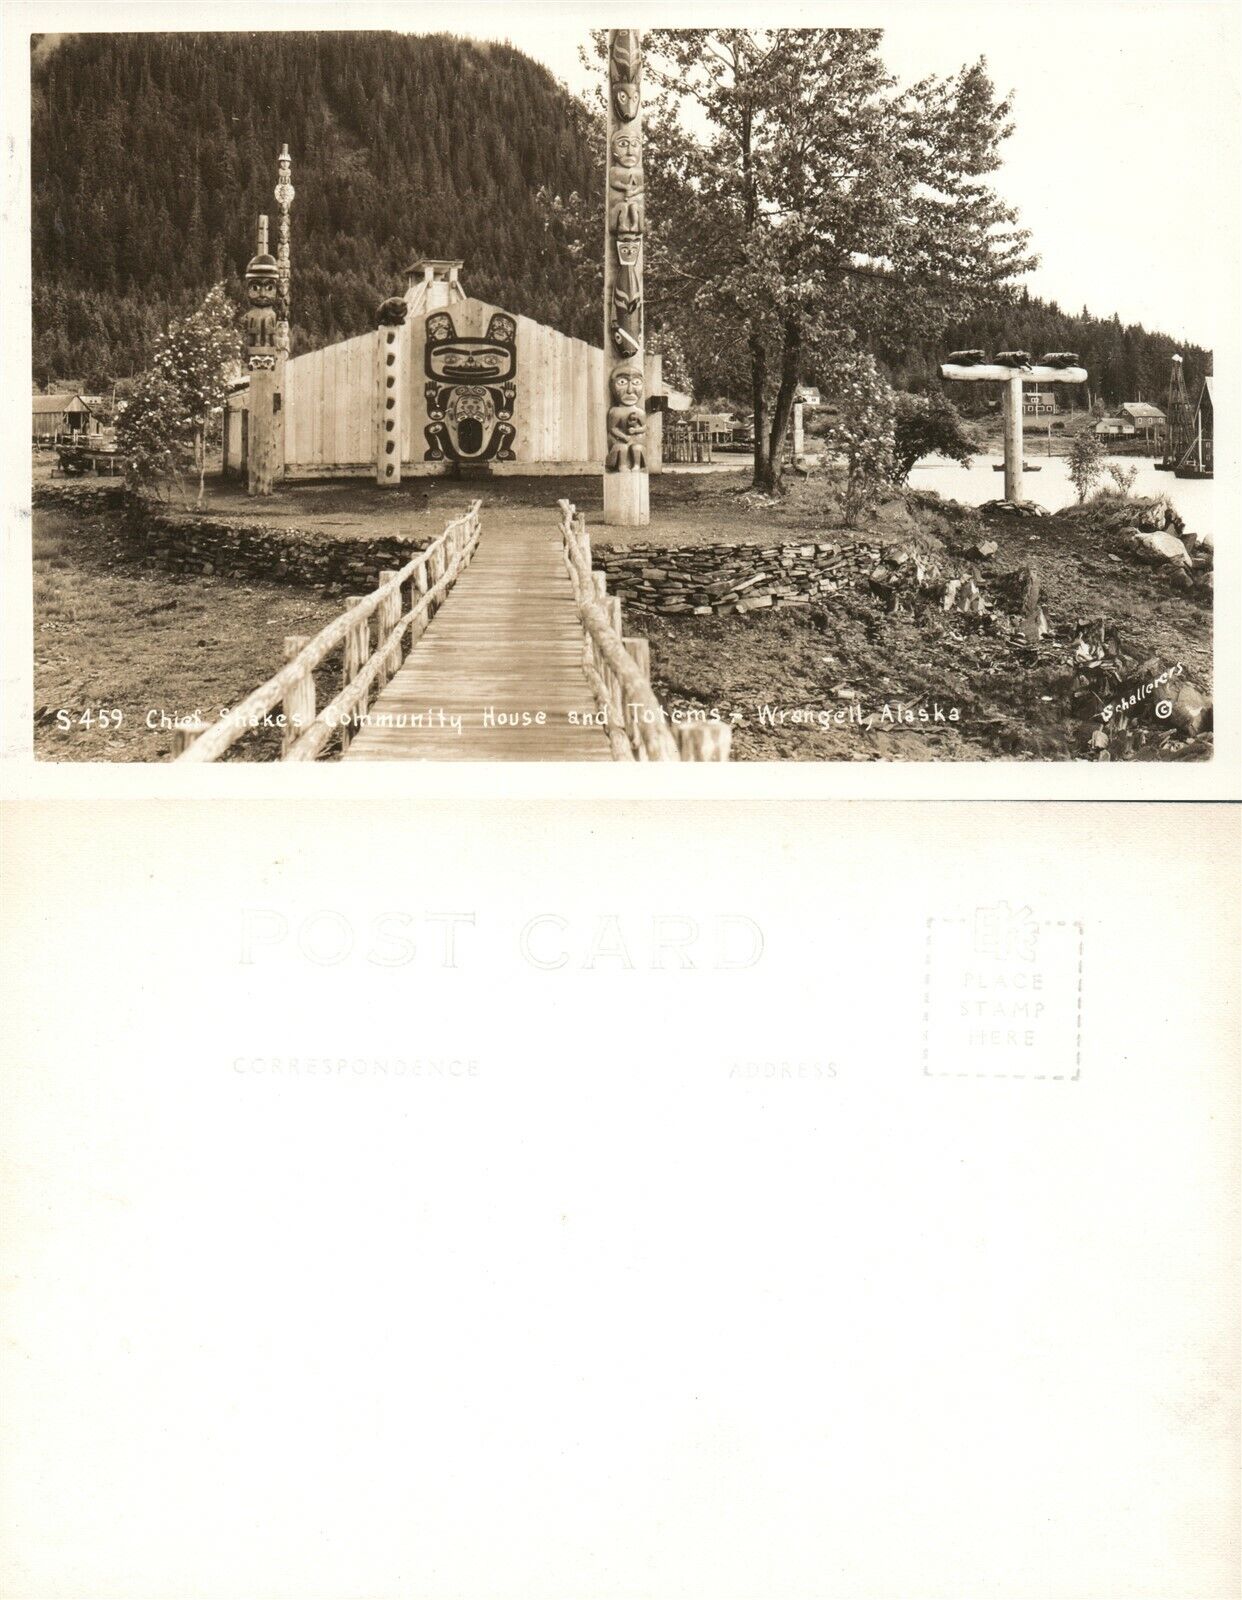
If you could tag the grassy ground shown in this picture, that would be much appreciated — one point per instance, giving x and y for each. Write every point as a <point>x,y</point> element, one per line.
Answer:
<point>113,632</point>
<point>686,508</point>
<point>113,635</point>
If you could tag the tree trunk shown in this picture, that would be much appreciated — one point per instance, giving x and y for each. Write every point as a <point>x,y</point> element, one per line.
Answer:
<point>758,387</point>
<point>200,451</point>
<point>791,376</point>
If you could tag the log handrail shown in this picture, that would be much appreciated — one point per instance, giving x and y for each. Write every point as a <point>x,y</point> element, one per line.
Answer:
<point>619,669</point>
<point>432,573</point>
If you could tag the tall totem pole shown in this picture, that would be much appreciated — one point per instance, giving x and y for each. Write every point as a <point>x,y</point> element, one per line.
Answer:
<point>259,326</point>
<point>626,493</point>
<point>284,199</point>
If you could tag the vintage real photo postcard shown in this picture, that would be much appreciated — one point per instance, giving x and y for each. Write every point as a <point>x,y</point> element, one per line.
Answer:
<point>499,388</point>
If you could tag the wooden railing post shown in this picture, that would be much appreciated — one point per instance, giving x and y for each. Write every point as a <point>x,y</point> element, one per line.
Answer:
<point>387,616</point>
<point>299,701</point>
<point>185,733</point>
<point>703,741</point>
<point>640,653</point>
<point>357,649</point>
<point>421,586</point>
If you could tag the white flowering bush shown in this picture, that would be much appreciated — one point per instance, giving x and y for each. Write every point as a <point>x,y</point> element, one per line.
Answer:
<point>163,431</point>
<point>863,431</point>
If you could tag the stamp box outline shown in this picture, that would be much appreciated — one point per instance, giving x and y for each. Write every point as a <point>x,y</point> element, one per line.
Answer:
<point>1046,1077</point>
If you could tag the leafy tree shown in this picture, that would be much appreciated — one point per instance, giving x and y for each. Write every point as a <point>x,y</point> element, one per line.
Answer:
<point>165,425</point>
<point>862,431</point>
<point>1086,466</point>
<point>823,200</point>
<point>927,425</point>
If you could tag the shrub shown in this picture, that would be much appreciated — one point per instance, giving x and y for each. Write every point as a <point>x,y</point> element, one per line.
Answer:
<point>927,425</point>
<point>1123,477</point>
<point>1085,464</point>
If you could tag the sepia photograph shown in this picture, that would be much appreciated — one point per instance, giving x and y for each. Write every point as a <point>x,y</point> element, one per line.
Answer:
<point>537,393</point>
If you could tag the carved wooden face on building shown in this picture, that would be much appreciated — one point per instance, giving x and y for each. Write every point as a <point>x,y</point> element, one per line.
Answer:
<point>470,420</point>
<point>470,391</point>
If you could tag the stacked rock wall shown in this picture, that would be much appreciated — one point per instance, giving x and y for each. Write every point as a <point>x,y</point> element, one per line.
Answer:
<point>279,554</point>
<point>721,579</point>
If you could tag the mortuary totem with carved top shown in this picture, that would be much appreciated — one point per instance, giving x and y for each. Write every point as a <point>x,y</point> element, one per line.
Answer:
<point>626,493</point>
<point>259,329</point>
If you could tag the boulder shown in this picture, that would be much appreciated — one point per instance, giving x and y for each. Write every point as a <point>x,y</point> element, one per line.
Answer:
<point>892,517</point>
<point>1192,711</point>
<point>1159,547</point>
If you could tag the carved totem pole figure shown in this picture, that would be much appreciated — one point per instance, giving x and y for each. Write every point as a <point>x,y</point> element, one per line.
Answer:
<point>625,463</point>
<point>284,200</point>
<point>259,327</point>
<point>259,323</point>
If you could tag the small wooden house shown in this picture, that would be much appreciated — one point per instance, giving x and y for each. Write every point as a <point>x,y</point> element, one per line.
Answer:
<point>1148,420</point>
<point>1039,403</point>
<point>718,426</point>
<point>59,414</point>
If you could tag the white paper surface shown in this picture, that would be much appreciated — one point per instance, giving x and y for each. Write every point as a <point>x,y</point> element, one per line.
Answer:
<point>615,1280</point>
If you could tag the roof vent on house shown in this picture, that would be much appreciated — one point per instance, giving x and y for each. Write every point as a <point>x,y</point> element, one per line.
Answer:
<point>431,284</point>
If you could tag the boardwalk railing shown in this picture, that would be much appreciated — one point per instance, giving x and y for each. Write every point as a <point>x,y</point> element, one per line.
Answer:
<point>619,669</point>
<point>404,603</point>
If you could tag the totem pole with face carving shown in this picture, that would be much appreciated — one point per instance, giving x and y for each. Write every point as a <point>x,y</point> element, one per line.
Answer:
<point>259,331</point>
<point>284,193</point>
<point>626,496</point>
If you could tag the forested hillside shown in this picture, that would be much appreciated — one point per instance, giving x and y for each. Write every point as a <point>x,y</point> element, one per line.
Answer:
<point>153,154</point>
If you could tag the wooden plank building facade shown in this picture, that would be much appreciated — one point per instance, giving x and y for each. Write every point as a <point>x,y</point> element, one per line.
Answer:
<point>454,384</point>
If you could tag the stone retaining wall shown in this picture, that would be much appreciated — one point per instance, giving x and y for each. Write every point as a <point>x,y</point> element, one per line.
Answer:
<point>281,555</point>
<point>241,548</point>
<point>719,580</point>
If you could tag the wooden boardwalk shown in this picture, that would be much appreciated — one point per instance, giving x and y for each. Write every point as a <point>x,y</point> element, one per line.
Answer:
<point>507,642</point>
